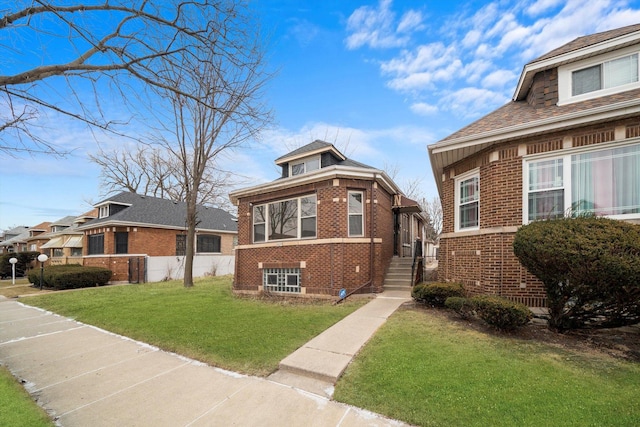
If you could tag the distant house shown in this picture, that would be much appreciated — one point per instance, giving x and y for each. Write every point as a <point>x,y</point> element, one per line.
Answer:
<point>15,240</point>
<point>142,238</point>
<point>327,223</point>
<point>64,241</point>
<point>568,142</point>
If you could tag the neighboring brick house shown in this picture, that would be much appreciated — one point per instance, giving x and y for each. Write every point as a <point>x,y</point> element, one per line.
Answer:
<point>569,141</point>
<point>326,224</point>
<point>15,240</point>
<point>142,238</point>
<point>64,241</point>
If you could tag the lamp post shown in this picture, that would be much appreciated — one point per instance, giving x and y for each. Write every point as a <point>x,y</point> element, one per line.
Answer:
<point>42,258</point>
<point>13,262</point>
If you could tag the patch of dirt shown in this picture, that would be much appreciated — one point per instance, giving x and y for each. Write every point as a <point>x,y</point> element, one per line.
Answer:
<point>622,343</point>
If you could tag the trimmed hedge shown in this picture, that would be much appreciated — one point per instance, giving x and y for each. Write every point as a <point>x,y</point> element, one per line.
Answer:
<point>71,276</point>
<point>464,307</point>
<point>501,313</point>
<point>435,294</point>
<point>590,268</point>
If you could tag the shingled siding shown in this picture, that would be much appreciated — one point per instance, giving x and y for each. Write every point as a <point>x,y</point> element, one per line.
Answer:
<point>484,260</point>
<point>332,261</point>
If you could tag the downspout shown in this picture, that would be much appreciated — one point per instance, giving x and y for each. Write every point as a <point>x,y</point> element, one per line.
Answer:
<point>371,228</point>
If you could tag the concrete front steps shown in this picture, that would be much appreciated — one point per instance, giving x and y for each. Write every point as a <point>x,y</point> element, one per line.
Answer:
<point>398,276</point>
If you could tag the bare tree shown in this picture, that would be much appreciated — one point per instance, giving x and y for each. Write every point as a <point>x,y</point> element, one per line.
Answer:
<point>222,112</point>
<point>101,44</point>
<point>433,211</point>
<point>154,171</point>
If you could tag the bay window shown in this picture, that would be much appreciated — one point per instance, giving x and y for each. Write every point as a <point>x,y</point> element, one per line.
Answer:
<point>285,219</point>
<point>604,182</point>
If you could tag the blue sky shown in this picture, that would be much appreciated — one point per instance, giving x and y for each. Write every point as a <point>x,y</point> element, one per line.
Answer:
<point>379,79</point>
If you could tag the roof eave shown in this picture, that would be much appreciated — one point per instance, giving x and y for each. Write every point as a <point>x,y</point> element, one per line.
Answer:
<point>288,159</point>
<point>331,172</point>
<point>462,147</point>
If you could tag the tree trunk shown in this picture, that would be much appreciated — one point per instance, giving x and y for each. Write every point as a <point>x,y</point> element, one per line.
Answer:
<point>191,241</point>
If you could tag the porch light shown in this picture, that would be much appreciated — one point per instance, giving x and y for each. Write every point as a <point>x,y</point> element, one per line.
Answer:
<point>42,258</point>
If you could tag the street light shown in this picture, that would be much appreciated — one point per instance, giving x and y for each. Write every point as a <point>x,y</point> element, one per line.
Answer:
<point>13,262</point>
<point>42,258</point>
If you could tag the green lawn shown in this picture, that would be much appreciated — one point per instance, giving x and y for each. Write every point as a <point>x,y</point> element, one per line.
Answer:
<point>205,322</point>
<point>426,370</point>
<point>17,409</point>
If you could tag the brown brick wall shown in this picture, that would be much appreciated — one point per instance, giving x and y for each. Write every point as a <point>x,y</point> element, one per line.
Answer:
<point>484,261</point>
<point>150,241</point>
<point>330,266</point>
<point>141,241</point>
<point>544,89</point>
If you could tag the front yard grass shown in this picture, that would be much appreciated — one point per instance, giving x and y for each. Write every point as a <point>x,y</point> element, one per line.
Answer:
<point>426,370</point>
<point>205,322</point>
<point>17,409</point>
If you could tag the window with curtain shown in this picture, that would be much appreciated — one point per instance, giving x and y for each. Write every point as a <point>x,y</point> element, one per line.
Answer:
<point>604,182</point>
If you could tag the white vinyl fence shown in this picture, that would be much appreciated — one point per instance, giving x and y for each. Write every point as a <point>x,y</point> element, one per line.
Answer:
<point>161,268</point>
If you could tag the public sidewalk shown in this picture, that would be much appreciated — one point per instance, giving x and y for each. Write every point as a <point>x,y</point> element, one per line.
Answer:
<point>85,376</point>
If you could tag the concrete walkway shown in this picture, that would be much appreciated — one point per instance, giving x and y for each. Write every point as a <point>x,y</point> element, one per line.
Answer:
<point>85,376</point>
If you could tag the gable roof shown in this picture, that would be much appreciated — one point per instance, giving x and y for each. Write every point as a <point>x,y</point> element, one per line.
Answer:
<point>343,168</point>
<point>161,213</point>
<point>517,118</point>
<point>580,48</point>
<point>315,147</point>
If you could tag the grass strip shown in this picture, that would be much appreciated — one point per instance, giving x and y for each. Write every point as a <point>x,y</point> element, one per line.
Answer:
<point>205,322</point>
<point>17,409</point>
<point>426,370</point>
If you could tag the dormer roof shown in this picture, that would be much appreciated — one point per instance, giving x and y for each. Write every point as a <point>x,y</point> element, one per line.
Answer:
<point>580,48</point>
<point>311,149</point>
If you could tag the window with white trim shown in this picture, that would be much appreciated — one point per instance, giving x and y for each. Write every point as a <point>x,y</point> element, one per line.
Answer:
<point>281,280</point>
<point>356,213</point>
<point>603,75</point>
<point>305,166</point>
<point>604,181</point>
<point>285,219</point>
<point>467,194</point>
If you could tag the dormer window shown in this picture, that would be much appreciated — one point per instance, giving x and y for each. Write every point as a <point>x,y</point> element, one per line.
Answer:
<point>609,74</point>
<point>599,76</point>
<point>104,211</point>
<point>305,166</point>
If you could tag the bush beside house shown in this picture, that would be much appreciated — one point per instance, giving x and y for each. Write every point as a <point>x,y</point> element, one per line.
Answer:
<point>71,276</point>
<point>590,268</point>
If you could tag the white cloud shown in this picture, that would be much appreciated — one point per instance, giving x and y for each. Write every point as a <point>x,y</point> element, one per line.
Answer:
<point>424,109</point>
<point>499,79</point>
<point>542,6</point>
<point>411,21</point>
<point>472,101</point>
<point>374,27</point>
<point>471,38</point>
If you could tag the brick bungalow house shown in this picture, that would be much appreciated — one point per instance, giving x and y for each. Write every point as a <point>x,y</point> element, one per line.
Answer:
<point>142,238</point>
<point>569,141</point>
<point>64,245</point>
<point>328,223</point>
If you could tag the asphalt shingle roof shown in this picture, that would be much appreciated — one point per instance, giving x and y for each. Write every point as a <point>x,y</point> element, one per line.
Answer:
<point>162,212</point>
<point>584,41</point>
